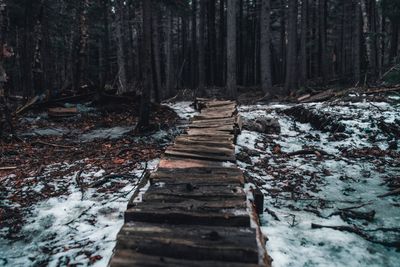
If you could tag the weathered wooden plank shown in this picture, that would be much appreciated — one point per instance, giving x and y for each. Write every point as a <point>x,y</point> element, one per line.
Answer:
<point>218,213</point>
<point>194,142</point>
<point>191,242</point>
<point>226,137</point>
<point>178,163</point>
<point>200,155</point>
<point>196,191</point>
<point>209,132</point>
<point>204,149</point>
<point>129,258</point>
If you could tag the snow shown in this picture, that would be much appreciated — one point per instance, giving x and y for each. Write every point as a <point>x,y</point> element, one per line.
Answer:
<point>185,109</point>
<point>76,227</point>
<point>66,229</point>
<point>324,185</point>
<point>106,133</point>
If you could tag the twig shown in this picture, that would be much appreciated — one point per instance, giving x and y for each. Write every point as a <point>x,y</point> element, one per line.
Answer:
<point>391,193</point>
<point>308,152</point>
<point>272,213</point>
<point>8,168</point>
<point>357,231</point>
<point>50,144</point>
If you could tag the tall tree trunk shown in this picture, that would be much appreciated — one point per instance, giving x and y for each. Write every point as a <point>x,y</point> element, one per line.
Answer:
<point>212,42</point>
<point>222,43</point>
<point>394,41</point>
<point>303,42</point>
<point>37,65</point>
<point>194,65</point>
<point>366,32</point>
<point>291,57</point>
<point>265,47</point>
<point>121,53</point>
<point>357,46</point>
<point>144,119</point>
<point>201,55</point>
<point>231,79</point>
<point>169,65</point>
<point>105,67</point>
<point>156,55</point>
<point>323,39</point>
<point>80,74</point>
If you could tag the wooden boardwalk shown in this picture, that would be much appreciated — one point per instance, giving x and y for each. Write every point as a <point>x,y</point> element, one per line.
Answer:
<point>194,211</point>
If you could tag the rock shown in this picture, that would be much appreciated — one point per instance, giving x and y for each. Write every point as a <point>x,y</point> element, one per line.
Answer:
<point>262,125</point>
<point>244,157</point>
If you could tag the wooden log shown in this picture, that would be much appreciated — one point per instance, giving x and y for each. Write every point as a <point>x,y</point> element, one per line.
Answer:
<point>130,258</point>
<point>206,243</point>
<point>193,191</point>
<point>218,213</point>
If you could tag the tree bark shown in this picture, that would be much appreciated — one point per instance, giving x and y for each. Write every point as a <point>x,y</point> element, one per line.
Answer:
<point>156,55</point>
<point>291,60</point>
<point>357,46</point>
<point>231,78</point>
<point>144,119</point>
<point>169,65</point>
<point>303,42</point>
<point>366,32</point>
<point>265,47</point>
<point>201,55</point>
<point>121,53</point>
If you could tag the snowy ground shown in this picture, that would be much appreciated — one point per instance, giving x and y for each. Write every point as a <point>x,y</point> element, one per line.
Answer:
<point>303,189</point>
<point>78,226</point>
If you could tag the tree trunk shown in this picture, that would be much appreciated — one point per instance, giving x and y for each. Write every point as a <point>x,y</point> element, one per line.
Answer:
<point>156,55</point>
<point>169,67</point>
<point>121,53</point>
<point>212,42</point>
<point>357,46</point>
<point>394,41</point>
<point>83,45</point>
<point>144,119</point>
<point>201,55</point>
<point>323,39</point>
<point>231,78</point>
<point>366,32</point>
<point>194,64</point>
<point>265,47</point>
<point>291,60</point>
<point>222,43</point>
<point>303,42</point>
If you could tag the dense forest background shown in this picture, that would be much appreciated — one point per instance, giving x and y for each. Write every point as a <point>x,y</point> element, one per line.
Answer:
<point>277,45</point>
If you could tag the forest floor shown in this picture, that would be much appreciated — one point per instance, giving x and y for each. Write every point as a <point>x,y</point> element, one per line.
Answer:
<point>65,187</point>
<point>324,169</point>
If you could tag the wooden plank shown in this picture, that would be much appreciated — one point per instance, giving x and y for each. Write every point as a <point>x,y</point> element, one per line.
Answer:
<point>194,142</point>
<point>200,155</point>
<point>208,132</point>
<point>204,137</point>
<point>194,191</point>
<point>129,258</point>
<point>178,163</point>
<point>217,213</point>
<point>191,242</point>
<point>204,149</point>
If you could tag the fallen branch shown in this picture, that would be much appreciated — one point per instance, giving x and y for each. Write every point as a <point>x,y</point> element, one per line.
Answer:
<point>357,231</point>
<point>50,144</point>
<point>8,168</point>
<point>272,213</point>
<point>308,152</point>
<point>105,179</point>
<point>391,193</point>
